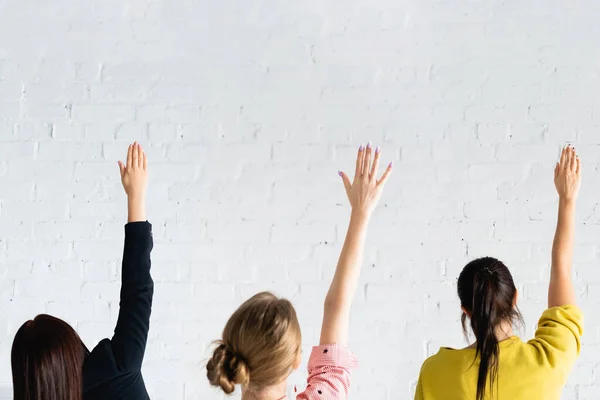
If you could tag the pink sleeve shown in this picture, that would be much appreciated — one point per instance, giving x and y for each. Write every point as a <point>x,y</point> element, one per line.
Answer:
<point>329,373</point>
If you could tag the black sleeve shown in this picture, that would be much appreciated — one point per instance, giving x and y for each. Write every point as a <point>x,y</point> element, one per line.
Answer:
<point>131,333</point>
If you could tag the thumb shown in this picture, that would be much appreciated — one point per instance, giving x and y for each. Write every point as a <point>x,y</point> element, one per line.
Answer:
<point>346,181</point>
<point>556,169</point>
<point>121,168</point>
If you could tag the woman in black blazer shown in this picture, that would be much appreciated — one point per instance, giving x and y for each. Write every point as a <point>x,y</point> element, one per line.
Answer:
<point>49,360</point>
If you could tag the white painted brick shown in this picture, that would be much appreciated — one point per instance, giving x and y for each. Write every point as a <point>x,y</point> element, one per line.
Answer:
<point>45,111</point>
<point>46,92</point>
<point>20,210</point>
<point>33,131</point>
<point>100,132</point>
<point>191,153</point>
<point>498,172</point>
<point>104,113</point>
<point>10,111</point>
<point>69,151</point>
<point>246,123</point>
<point>562,113</point>
<point>16,151</point>
<point>528,153</point>
<point>129,73</point>
<point>100,270</point>
<point>11,92</point>
<point>131,132</point>
<point>67,130</point>
<point>118,93</point>
<point>162,132</point>
<point>38,251</point>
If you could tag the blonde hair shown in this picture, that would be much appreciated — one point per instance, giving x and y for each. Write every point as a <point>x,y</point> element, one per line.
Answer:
<point>260,345</point>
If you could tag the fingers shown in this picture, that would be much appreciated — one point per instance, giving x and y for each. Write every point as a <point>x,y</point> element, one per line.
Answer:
<point>563,157</point>
<point>140,159</point>
<point>578,165</point>
<point>367,163</point>
<point>130,156</point>
<point>359,161</point>
<point>386,174</point>
<point>346,181</point>
<point>145,163</point>
<point>574,158</point>
<point>375,168</point>
<point>135,155</point>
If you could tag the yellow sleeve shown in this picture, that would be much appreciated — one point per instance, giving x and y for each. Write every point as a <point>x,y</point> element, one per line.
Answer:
<point>419,391</point>
<point>558,338</point>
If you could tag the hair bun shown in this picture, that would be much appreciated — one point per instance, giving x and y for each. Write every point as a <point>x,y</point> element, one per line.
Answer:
<point>226,369</point>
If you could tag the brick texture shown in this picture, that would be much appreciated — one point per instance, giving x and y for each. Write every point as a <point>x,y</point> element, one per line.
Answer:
<point>247,109</point>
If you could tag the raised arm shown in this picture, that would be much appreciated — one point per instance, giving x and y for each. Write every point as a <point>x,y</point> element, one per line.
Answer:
<point>567,178</point>
<point>363,194</point>
<point>137,287</point>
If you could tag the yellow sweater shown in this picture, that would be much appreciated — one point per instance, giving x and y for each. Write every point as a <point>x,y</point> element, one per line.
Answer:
<point>536,370</point>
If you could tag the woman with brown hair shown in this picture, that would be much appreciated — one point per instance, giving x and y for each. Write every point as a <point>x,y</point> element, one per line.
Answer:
<point>49,360</point>
<point>499,365</point>
<point>261,343</point>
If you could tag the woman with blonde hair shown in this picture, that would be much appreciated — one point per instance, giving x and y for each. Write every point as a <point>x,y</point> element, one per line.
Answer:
<point>261,343</point>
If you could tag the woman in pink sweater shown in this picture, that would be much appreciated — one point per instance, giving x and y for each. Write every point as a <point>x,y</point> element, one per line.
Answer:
<point>261,343</point>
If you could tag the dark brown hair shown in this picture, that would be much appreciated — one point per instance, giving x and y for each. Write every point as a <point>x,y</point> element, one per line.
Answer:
<point>487,292</point>
<point>259,346</point>
<point>47,360</point>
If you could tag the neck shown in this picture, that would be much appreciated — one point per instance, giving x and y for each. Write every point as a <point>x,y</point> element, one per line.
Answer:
<point>275,392</point>
<point>503,331</point>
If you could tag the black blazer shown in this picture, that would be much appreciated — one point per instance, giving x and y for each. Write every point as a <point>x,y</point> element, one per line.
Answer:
<point>112,371</point>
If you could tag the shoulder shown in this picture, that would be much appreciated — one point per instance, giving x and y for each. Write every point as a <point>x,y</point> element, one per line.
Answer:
<point>102,378</point>
<point>101,357</point>
<point>559,326</point>
<point>99,365</point>
<point>431,362</point>
<point>443,361</point>
<point>558,335</point>
<point>567,315</point>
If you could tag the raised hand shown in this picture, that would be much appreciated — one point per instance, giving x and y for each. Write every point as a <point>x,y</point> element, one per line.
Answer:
<point>567,174</point>
<point>364,192</point>
<point>567,179</point>
<point>134,177</point>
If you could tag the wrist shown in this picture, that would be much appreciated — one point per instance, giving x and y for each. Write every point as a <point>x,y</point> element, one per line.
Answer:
<point>362,215</point>
<point>136,198</point>
<point>136,209</point>
<point>567,201</point>
<point>359,222</point>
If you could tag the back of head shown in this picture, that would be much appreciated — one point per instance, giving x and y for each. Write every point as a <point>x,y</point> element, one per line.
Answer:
<point>47,361</point>
<point>260,345</point>
<point>487,292</point>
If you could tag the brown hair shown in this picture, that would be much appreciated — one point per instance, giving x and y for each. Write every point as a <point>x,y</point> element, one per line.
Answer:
<point>47,361</point>
<point>259,347</point>
<point>487,291</point>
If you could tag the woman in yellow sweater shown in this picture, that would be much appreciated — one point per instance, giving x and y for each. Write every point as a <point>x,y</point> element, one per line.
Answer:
<point>499,365</point>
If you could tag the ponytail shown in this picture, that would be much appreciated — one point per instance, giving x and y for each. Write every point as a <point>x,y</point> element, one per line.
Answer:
<point>487,293</point>
<point>483,321</point>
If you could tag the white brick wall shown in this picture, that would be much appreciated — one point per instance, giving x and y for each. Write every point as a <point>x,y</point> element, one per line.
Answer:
<point>247,109</point>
